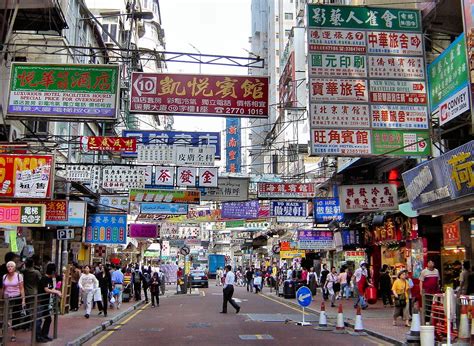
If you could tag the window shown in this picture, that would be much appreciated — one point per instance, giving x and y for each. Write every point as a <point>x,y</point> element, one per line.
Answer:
<point>276,18</point>
<point>39,129</point>
<point>277,35</point>
<point>112,30</point>
<point>288,16</point>
<point>287,33</point>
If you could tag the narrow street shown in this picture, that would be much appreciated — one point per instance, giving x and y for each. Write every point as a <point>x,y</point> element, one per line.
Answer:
<point>195,319</point>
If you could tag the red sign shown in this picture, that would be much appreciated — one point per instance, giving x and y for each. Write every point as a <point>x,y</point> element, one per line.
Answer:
<point>225,96</point>
<point>26,176</point>
<point>56,210</point>
<point>286,190</point>
<point>451,234</point>
<point>109,143</point>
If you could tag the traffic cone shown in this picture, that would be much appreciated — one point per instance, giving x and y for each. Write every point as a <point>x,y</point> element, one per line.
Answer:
<point>359,327</point>
<point>414,334</point>
<point>323,323</point>
<point>340,327</point>
<point>464,334</point>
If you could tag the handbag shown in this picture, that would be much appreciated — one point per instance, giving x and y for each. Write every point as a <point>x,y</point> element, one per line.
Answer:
<point>401,300</point>
<point>97,295</point>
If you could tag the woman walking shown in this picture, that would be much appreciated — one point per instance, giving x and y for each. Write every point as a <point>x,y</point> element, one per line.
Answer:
<point>105,286</point>
<point>155,289</point>
<point>330,284</point>
<point>88,283</point>
<point>312,281</point>
<point>400,291</point>
<point>14,291</point>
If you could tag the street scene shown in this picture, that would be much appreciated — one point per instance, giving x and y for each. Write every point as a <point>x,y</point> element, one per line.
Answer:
<point>236,172</point>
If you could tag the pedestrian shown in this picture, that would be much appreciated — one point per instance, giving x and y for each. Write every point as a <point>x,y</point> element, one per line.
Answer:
<point>400,290</point>
<point>31,279</point>
<point>342,283</point>
<point>146,282</point>
<point>324,274</point>
<point>117,286</point>
<point>385,286</point>
<point>464,278</point>
<point>304,275</point>
<point>349,287</point>
<point>228,291</point>
<point>137,278</point>
<point>105,286</point>
<point>155,284</point>
<point>14,291</point>
<point>312,281</point>
<point>249,274</point>
<point>257,282</point>
<point>289,273</point>
<point>330,285</point>
<point>361,282</point>
<point>161,276</point>
<point>74,298</point>
<point>429,285</point>
<point>219,276</point>
<point>88,283</point>
<point>45,292</point>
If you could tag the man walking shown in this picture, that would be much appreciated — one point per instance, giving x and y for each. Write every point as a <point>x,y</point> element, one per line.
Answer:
<point>249,278</point>
<point>137,278</point>
<point>229,291</point>
<point>429,285</point>
<point>117,285</point>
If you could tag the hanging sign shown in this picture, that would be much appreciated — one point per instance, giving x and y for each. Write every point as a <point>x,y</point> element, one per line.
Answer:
<point>344,115</point>
<point>120,178</point>
<point>76,215</point>
<point>22,215</point>
<point>396,67</point>
<point>106,229</point>
<point>156,153</point>
<point>355,256</point>
<point>399,117</point>
<point>167,196</point>
<point>395,43</point>
<point>192,156</point>
<point>327,209</point>
<point>233,140</point>
<point>165,176</point>
<point>344,65</point>
<point>240,210</point>
<point>208,177</point>
<point>113,202</point>
<point>336,41</point>
<point>401,143</point>
<point>96,143</point>
<point>341,142</point>
<point>360,198</point>
<point>452,234</point>
<point>186,176</point>
<point>228,189</point>
<point>289,211</point>
<point>285,190</point>
<point>56,210</point>
<point>143,230</point>
<point>164,208</point>
<point>395,92</point>
<point>338,90</point>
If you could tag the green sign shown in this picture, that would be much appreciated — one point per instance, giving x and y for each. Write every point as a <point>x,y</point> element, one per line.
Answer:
<point>448,73</point>
<point>234,224</point>
<point>354,17</point>
<point>401,143</point>
<point>68,92</point>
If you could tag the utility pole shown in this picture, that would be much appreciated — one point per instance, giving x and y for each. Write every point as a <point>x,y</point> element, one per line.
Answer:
<point>197,50</point>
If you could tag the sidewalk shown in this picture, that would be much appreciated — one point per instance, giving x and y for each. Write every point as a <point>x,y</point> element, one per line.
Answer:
<point>377,319</point>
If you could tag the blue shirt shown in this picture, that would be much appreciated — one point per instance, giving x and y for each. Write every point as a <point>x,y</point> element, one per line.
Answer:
<point>117,277</point>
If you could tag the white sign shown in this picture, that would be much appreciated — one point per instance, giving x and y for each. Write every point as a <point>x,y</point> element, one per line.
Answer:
<point>338,90</point>
<point>339,115</point>
<point>228,189</point>
<point>186,176</point>
<point>396,67</point>
<point>195,156</point>
<point>342,65</point>
<point>208,177</point>
<point>126,177</point>
<point>341,142</point>
<point>399,117</point>
<point>336,41</point>
<point>360,198</point>
<point>316,244</point>
<point>65,234</point>
<point>79,173</point>
<point>454,106</point>
<point>155,153</point>
<point>165,176</point>
<point>395,43</point>
<point>32,183</point>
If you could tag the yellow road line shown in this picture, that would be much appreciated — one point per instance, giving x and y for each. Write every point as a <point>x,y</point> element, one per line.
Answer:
<point>288,306</point>
<point>117,326</point>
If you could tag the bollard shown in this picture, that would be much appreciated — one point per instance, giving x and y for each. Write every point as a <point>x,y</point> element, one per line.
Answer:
<point>427,336</point>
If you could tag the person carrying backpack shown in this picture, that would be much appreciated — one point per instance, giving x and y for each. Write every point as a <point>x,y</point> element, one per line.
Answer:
<point>137,278</point>
<point>146,282</point>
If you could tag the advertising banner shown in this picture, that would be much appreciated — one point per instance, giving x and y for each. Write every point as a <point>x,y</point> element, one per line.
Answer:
<point>327,209</point>
<point>76,216</point>
<point>96,143</point>
<point>401,143</point>
<point>187,94</point>
<point>286,190</point>
<point>360,198</point>
<point>338,90</point>
<point>341,142</point>
<point>233,139</point>
<point>228,189</point>
<point>106,229</point>
<point>452,234</point>
<point>395,43</point>
<point>22,215</point>
<point>454,105</point>
<point>339,115</point>
<point>166,196</point>
<point>240,210</point>
<point>164,208</point>
<point>405,92</point>
<point>200,156</point>
<point>396,67</point>
<point>290,211</point>
<point>173,138</point>
<point>399,117</point>
<point>289,254</point>
<point>56,209</point>
<point>343,65</point>
<point>143,230</point>
<point>26,176</point>
<point>63,92</point>
<point>336,41</point>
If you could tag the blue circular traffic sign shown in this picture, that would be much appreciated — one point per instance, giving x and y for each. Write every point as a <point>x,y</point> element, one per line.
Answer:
<point>304,296</point>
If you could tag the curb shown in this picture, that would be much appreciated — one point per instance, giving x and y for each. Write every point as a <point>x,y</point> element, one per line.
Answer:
<point>103,326</point>
<point>346,323</point>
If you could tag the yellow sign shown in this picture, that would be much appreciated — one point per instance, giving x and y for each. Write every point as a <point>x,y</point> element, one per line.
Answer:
<point>292,254</point>
<point>187,267</point>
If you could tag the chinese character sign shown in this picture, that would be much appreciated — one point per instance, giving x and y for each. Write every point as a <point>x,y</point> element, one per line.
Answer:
<point>285,190</point>
<point>336,41</point>
<point>345,142</point>
<point>186,176</point>
<point>327,209</point>
<point>338,90</point>
<point>184,94</point>
<point>233,145</point>
<point>339,115</point>
<point>200,156</point>
<point>167,196</point>
<point>22,215</point>
<point>360,198</point>
<point>208,177</point>
<point>228,189</point>
<point>95,143</point>
<point>66,92</point>
<point>165,176</point>
<point>106,229</point>
<point>401,143</point>
<point>452,234</point>
<point>289,211</point>
<point>240,210</point>
<point>57,210</point>
<point>315,239</point>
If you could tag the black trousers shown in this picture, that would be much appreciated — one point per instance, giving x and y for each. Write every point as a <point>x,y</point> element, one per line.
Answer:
<point>145,290</point>
<point>386,297</point>
<point>43,321</point>
<point>137,288</point>
<point>228,293</point>
<point>74,301</point>
<point>155,297</point>
<point>105,300</point>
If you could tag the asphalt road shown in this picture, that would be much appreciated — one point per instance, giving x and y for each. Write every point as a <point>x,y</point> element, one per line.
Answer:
<point>195,320</point>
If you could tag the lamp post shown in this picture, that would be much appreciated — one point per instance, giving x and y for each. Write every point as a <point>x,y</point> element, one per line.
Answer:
<point>197,50</point>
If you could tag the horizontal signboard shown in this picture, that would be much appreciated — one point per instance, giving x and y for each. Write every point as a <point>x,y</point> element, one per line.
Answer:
<point>166,196</point>
<point>396,67</point>
<point>401,143</point>
<point>290,211</point>
<point>113,202</point>
<point>341,142</point>
<point>240,210</point>
<point>96,143</point>
<point>75,217</point>
<point>56,209</point>
<point>65,92</point>
<point>22,215</point>
<point>399,117</point>
<point>187,94</point>
<point>360,198</point>
<point>336,41</point>
<point>327,209</point>
<point>286,190</point>
<point>338,90</point>
<point>289,254</point>
<point>396,92</point>
<point>342,65</point>
<point>164,208</point>
<point>339,115</point>
<point>106,229</point>
<point>228,189</point>
<point>395,43</point>
<point>143,230</point>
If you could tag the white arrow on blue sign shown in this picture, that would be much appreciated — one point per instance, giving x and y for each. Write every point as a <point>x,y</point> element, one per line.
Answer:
<point>304,296</point>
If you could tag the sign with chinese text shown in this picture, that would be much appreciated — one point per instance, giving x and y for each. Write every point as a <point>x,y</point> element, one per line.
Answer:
<point>66,92</point>
<point>156,153</point>
<point>106,229</point>
<point>290,254</point>
<point>26,176</point>
<point>452,234</point>
<point>89,174</point>
<point>285,190</point>
<point>395,92</point>
<point>240,210</point>
<point>289,211</point>
<point>338,90</point>
<point>167,196</point>
<point>355,17</point>
<point>468,20</point>
<point>192,156</point>
<point>164,208</point>
<point>445,178</point>
<point>165,176</point>
<point>343,65</point>
<point>315,239</point>
<point>454,105</point>
<point>327,209</point>
<point>186,176</point>
<point>56,210</point>
<point>186,94</point>
<point>233,145</point>
<point>340,142</point>
<point>95,143</point>
<point>396,67</point>
<point>336,41</point>
<point>22,215</point>
<point>143,230</point>
<point>395,43</point>
<point>339,115</point>
<point>123,177</point>
<point>401,143</point>
<point>399,117</point>
<point>76,215</point>
<point>208,177</point>
<point>228,189</point>
<point>360,198</point>
<point>355,256</point>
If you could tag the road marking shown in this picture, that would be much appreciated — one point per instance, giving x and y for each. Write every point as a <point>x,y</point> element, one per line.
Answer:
<point>203,293</point>
<point>288,306</point>
<point>117,326</point>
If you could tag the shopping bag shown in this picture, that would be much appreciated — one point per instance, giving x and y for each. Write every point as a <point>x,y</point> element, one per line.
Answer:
<point>112,300</point>
<point>97,295</point>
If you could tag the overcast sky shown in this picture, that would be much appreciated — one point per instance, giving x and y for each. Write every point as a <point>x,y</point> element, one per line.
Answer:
<point>220,27</point>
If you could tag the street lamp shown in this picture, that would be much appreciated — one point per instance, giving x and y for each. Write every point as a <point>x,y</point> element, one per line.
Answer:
<point>197,50</point>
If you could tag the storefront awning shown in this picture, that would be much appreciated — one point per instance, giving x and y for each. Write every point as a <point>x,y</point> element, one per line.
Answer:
<point>407,210</point>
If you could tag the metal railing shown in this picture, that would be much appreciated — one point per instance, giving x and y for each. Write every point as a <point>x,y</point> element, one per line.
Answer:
<point>15,315</point>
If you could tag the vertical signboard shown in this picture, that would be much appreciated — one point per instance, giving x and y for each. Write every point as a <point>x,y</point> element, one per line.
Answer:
<point>468,19</point>
<point>367,71</point>
<point>233,145</point>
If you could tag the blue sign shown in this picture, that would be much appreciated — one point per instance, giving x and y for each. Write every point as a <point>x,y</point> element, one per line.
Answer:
<point>445,178</point>
<point>233,145</point>
<point>327,209</point>
<point>240,210</point>
<point>164,208</point>
<point>194,139</point>
<point>350,237</point>
<point>106,229</point>
<point>287,208</point>
<point>304,296</point>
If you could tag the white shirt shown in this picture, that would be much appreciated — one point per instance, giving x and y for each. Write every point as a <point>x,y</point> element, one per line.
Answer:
<point>289,274</point>
<point>229,279</point>
<point>359,272</point>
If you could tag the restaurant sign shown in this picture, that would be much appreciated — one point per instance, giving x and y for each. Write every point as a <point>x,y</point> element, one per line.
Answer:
<point>22,215</point>
<point>106,229</point>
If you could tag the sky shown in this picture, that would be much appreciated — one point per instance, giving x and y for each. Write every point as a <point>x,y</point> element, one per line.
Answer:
<point>220,27</point>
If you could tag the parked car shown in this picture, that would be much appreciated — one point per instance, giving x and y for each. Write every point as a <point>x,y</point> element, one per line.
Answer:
<point>199,278</point>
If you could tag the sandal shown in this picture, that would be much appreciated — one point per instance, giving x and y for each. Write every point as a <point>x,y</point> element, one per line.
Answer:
<point>13,339</point>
